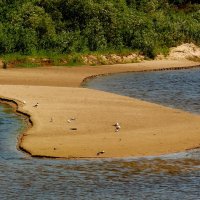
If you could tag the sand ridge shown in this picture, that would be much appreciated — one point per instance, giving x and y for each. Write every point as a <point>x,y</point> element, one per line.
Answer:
<point>146,128</point>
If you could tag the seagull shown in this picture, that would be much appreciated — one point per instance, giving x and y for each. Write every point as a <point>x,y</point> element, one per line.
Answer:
<point>71,119</point>
<point>117,127</point>
<point>100,152</point>
<point>36,105</point>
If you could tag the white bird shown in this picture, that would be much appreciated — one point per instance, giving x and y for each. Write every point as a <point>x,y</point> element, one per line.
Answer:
<point>116,124</point>
<point>117,127</point>
<point>71,119</point>
<point>36,105</point>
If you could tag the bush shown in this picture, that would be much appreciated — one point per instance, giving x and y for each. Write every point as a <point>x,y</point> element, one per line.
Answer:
<point>78,26</point>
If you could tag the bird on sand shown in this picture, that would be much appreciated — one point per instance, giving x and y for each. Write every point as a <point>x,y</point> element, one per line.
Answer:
<point>71,119</point>
<point>36,105</point>
<point>117,127</point>
<point>100,152</point>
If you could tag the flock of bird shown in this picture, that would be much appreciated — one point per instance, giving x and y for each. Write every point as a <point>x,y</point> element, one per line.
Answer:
<point>116,125</point>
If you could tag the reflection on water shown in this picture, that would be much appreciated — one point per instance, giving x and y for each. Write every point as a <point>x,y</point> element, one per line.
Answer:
<point>175,176</point>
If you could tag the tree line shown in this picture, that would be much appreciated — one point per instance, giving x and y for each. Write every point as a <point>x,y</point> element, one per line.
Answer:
<point>66,26</point>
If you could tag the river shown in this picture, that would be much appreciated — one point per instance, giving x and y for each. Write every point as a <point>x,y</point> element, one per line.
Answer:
<point>175,176</point>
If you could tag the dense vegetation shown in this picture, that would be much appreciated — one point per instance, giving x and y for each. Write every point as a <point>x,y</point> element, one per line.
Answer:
<point>66,26</point>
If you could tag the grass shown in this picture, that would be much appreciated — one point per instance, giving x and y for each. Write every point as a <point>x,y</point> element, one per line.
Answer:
<point>15,57</point>
<point>43,58</point>
<point>28,65</point>
<point>122,52</point>
<point>75,60</point>
<point>57,59</point>
<point>18,60</point>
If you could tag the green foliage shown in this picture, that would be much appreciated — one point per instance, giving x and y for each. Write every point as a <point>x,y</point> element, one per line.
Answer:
<point>74,60</point>
<point>9,58</point>
<point>94,32</point>
<point>77,26</point>
<point>27,65</point>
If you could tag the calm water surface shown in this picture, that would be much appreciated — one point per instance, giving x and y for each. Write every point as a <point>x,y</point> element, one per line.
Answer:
<point>178,89</point>
<point>174,176</point>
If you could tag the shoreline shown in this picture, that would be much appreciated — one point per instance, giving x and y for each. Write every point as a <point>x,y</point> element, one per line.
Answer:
<point>17,107</point>
<point>20,109</point>
<point>85,80</point>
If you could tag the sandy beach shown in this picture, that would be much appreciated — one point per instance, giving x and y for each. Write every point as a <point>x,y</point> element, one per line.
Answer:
<point>75,122</point>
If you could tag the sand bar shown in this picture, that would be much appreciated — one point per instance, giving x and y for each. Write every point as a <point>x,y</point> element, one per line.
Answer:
<point>146,128</point>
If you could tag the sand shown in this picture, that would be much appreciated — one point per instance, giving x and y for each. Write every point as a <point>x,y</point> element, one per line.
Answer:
<point>146,128</point>
<point>185,51</point>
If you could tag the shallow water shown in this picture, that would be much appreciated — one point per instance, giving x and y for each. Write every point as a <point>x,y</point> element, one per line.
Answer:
<point>175,176</point>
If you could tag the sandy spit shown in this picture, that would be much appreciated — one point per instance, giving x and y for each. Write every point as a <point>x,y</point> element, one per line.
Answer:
<point>74,122</point>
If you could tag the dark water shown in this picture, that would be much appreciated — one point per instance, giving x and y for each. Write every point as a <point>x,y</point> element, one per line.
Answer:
<point>175,176</point>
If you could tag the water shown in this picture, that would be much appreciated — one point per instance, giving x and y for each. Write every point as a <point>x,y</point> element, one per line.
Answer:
<point>175,176</point>
<point>177,89</point>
